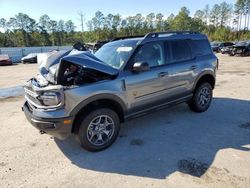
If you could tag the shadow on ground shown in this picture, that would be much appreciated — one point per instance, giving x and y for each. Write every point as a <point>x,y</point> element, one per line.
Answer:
<point>169,140</point>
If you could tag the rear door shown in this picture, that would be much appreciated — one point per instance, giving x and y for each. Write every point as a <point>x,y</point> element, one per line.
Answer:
<point>182,67</point>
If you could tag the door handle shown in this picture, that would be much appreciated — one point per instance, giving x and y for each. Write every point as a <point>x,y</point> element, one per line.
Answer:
<point>163,74</point>
<point>193,67</point>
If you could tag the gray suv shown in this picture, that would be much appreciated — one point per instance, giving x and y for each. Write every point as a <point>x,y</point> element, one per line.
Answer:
<point>91,94</point>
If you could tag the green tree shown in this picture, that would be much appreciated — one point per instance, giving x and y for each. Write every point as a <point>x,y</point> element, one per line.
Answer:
<point>215,15</point>
<point>26,25</point>
<point>248,13</point>
<point>159,22</point>
<point>44,26</point>
<point>138,22</point>
<point>150,20</point>
<point>70,30</point>
<point>182,21</point>
<point>206,11</point>
<point>21,30</point>
<point>199,14</point>
<point>98,22</point>
<point>239,10</point>
<point>61,31</point>
<point>3,24</point>
<point>225,13</point>
<point>70,26</point>
<point>54,32</point>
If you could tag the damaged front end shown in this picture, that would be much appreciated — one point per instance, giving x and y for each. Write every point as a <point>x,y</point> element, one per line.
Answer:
<point>43,97</point>
<point>61,71</point>
<point>47,95</point>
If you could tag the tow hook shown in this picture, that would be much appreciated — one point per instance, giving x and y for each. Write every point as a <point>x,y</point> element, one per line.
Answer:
<point>42,132</point>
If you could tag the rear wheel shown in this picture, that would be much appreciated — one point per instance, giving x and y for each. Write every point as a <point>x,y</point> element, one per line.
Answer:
<point>202,98</point>
<point>99,129</point>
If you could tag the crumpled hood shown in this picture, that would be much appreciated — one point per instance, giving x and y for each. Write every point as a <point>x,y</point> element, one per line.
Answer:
<point>47,60</point>
<point>50,63</point>
<point>87,59</point>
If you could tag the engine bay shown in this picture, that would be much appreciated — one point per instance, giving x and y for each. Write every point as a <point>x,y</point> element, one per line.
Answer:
<point>77,75</point>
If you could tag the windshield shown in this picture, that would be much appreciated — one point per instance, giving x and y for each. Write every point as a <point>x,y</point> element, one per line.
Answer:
<point>116,55</point>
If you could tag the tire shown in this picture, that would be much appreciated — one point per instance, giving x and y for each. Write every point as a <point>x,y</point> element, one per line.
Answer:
<point>202,98</point>
<point>98,129</point>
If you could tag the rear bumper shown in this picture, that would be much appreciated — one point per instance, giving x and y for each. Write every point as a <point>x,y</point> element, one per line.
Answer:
<point>56,127</point>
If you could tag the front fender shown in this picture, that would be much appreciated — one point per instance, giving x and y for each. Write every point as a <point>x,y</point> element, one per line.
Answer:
<point>96,97</point>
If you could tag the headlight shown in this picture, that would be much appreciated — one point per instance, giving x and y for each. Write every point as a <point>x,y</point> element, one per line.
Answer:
<point>50,98</point>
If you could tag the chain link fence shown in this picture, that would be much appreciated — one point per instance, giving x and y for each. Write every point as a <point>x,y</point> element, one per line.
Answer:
<point>17,53</point>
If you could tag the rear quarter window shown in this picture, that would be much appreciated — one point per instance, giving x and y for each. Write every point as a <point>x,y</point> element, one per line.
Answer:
<point>200,47</point>
<point>179,50</point>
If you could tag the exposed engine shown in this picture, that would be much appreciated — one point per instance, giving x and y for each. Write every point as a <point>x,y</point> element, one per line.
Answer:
<point>78,75</point>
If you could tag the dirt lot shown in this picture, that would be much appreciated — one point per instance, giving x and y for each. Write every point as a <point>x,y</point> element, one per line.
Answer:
<point>16,74</point>
<point>169,148</point>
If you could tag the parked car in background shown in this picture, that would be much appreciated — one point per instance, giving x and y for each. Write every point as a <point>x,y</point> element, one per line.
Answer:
<point>226,49</point>
<point>80,46</point>
<point>218,46</point>
<point>240,49</point>
<point>215,46</point>
<point>5,60</point>
<point>30,58</point>
<point>91,94</point>
<point>94,46</point>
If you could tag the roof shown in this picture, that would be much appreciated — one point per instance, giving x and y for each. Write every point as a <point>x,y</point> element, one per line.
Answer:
<point>158,36</point>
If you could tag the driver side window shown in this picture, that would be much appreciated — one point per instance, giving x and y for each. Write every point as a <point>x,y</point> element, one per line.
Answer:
<point>151,53</point>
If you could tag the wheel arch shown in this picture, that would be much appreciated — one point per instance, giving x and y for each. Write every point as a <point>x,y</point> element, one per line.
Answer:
<point>205,77</point>
<point>103,100</point>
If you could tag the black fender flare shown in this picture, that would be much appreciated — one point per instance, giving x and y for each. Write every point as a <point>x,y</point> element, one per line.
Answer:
<point>111,97</point>
<point>204,73</point>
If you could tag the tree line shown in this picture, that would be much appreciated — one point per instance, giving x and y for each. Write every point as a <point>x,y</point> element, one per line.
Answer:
<point>221,22</point>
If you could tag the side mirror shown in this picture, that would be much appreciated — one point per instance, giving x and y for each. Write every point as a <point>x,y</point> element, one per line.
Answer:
<point>141,67</point>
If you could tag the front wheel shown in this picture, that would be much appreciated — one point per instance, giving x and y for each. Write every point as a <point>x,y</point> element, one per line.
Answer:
<point>202,98</point>
<point>99,129</point>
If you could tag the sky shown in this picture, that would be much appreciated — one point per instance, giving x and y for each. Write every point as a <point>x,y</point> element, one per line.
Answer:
<point>59,9</point>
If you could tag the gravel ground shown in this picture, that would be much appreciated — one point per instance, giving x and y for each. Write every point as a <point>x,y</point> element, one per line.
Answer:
<point>17,74</point>
<point>169,148</point>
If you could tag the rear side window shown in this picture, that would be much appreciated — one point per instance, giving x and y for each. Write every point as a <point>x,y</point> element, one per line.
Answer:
<point>200,47</point>
<point>179,51</point>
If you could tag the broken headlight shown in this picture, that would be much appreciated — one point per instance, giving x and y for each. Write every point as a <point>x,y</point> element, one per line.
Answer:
<point>50,98</point>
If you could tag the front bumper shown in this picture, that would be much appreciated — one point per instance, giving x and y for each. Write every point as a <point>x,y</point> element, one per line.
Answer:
<point>57,127</point>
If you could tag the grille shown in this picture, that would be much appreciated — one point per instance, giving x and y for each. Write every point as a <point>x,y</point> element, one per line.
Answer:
<point>31,97</point>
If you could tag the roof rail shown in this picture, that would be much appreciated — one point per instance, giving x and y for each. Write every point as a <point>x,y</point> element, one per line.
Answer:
<point>128,37</point>
<point>157,34</point>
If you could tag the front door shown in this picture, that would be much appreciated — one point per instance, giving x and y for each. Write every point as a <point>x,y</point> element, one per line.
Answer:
<point>146,88</point>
